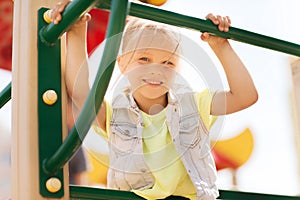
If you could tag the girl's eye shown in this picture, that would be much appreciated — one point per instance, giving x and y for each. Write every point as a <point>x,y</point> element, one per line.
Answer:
<point>169,63</point>
<point>144,59</point>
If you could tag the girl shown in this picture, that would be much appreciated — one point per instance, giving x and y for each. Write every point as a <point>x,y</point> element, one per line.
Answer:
<point>158,135</point>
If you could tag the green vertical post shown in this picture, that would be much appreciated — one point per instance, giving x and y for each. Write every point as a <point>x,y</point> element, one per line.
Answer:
<point>49,111</point>
<point>94,100</point>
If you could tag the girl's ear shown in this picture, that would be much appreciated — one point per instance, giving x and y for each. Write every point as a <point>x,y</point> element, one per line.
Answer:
<point>122,63</point>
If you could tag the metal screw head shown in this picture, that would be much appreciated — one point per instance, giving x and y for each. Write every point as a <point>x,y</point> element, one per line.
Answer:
<point>53,185</point>
<point>50,97</point>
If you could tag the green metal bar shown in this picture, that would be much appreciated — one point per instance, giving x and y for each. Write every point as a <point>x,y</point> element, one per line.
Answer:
<point>89,193</point>
<point>184,21</point>
<point>73,11</point>
<point>237,195</point>
<point>94,100</point>
<point>49,115</point>
<point>5,95</point>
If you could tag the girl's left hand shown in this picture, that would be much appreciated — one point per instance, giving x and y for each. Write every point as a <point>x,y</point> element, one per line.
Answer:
<point>223,24</point>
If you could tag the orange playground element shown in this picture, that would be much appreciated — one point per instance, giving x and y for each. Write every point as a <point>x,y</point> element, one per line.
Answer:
<point>233,152</point>
<point>154,2</point>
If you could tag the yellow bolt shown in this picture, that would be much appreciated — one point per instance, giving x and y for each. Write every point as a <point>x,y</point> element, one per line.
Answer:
<point>49,97</point>
<point>53,185</point>
<point>47,16</point>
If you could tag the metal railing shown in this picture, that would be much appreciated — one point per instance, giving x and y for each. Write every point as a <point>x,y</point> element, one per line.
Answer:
<point>189,22</point>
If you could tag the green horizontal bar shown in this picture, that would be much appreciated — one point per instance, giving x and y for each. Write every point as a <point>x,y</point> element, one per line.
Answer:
<point>94,100</point>
<point>5,95</point>
<point>73,11</point>
<point>238,195</point>
<point>89,193</point>
<point>189,22</point>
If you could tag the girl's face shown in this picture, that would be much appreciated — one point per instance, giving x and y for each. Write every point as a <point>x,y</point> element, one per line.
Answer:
<point>149,71</point>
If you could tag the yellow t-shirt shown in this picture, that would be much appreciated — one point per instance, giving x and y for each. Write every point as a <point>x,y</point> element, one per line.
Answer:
<point>161,157</point>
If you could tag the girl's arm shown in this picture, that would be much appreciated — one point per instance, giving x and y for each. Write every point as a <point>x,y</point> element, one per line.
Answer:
<point>242,92</point>
<point>77,72</point>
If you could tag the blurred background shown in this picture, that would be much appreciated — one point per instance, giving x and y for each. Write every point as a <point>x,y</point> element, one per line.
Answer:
<point>257,149</point>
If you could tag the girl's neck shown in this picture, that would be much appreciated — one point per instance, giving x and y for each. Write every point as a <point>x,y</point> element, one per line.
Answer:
<point>151,106</point>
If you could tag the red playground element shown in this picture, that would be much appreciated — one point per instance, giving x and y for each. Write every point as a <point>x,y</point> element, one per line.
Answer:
<point>97,28</point>
<point>6,20</point>
<point>96,31</point>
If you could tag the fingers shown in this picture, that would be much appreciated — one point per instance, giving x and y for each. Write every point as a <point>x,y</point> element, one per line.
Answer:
<point>205,36</point>
<point>212,18</point>
<point>57,10</point>
<point>223,23</point>
<point>227,23</point>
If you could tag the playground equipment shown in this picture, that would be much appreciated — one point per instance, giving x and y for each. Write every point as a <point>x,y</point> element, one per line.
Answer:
<point>154,2</point>
<point>234,152</point>
<point>52,181</point>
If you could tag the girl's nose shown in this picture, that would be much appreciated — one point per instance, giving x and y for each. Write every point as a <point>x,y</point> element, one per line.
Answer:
<point>157,72</point>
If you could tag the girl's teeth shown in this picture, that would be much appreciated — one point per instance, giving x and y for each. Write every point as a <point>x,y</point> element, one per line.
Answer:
<point>153,82</point>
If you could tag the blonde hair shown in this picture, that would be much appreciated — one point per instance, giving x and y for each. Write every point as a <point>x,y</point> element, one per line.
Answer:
<point>143,34</point>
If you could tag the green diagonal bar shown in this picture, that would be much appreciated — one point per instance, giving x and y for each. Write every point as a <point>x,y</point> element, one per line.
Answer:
<point>94,100</point>
<point>189,22</point>
<point>5,95</point>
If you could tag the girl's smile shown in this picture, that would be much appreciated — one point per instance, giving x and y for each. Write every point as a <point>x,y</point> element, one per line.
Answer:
<point>153,82</point>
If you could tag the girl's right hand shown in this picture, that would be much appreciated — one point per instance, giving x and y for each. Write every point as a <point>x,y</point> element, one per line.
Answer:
<point>56,14</point>
<point>57,10</point>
